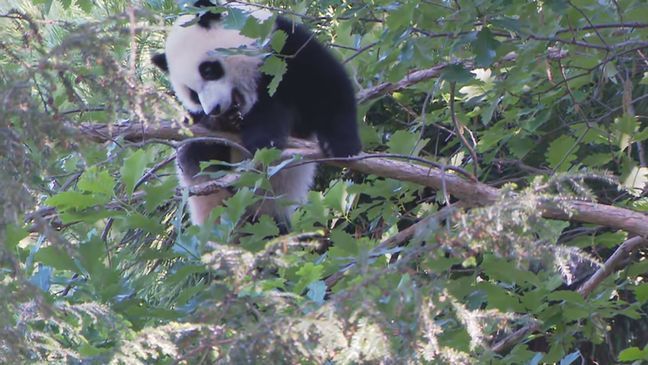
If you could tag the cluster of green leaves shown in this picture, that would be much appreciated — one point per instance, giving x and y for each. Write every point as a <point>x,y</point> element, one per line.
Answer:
<point>107,270</point>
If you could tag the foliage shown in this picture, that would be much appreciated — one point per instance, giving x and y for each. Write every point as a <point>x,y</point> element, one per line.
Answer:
<point>99,264</point>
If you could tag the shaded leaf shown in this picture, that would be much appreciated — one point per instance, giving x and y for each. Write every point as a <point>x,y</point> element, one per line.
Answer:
<point>56,258</point>
<point>485,48</point>
<point>133,169</point>
<point>561,152</point>
<point>275,67</point>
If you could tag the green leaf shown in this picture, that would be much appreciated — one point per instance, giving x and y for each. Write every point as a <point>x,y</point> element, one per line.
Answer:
<point>47,5</point>
<point>491,137</point>
<point>66,4</point>
<point>597,159</point>
<point>157,194</point>
<point>254,28</point>
<point>506,271</point>
<point>95,181</point>
<point>259,233</point>
<point>345,245</point>
<point>638,269</point>
<point>507,23</point>
<point>520,145</point>
<point>91,255</point>
<point>636,180</point>
<point>335,197</point>
<point>180,275</point>
<point>401,16</point>
<point>270,284</point>
<point>307,274</point>
<point>85,5</point>
<point>561,152</point>
<point>499,298</point>
<point>235,19</point>
<point>626,124</point>
<point>567,296</point>
<point>266,156</point>
<point>75,200</point>
<point>238,203</point>
<point>559,6</point>
<point>56,258</point>
<point>632,354</point>
<point>456,73</point>
<point>641,291</point>
<point>407,143</point>
<point>132,169</point>
<point>485,48</point>
<point>274,67</point>
<point>278,40</point>
<point>87,350</point>
<point>147,224</point>
<point>13,235</point>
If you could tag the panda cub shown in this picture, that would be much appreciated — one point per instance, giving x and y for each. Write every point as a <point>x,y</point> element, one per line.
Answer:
<point>315,98</point>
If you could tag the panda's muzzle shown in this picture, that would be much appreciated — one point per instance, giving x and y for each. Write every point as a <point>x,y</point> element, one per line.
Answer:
<point>228,120</point>
<point>238,101</point>
<point>215,111</point>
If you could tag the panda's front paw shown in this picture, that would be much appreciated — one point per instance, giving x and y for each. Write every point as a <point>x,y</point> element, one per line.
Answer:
<point>342,146</point>
<point>254,142</point>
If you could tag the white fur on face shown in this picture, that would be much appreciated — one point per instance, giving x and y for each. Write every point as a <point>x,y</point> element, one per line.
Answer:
<point>187,47</point>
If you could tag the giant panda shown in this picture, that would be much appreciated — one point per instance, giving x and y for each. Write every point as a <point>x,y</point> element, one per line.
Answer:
<point>315,99</point>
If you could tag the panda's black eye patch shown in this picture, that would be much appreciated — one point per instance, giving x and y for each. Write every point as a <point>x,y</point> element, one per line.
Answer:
<point>211,70</point>
<point>194,96</point>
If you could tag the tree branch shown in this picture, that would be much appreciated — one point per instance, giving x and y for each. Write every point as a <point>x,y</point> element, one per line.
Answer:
<point>613,262</point>
<point>473,193</point>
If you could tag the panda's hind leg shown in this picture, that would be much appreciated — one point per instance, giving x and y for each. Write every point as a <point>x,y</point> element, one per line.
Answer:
<point>188,159</point>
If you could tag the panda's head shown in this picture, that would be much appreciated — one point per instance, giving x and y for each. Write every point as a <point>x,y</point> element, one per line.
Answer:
<point>205,80</point>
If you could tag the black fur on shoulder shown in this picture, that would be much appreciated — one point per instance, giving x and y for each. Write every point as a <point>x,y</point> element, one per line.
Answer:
<point>315,96</point>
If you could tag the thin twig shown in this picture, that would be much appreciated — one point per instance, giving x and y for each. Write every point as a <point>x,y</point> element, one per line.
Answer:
<point>460,129</point>
<point>604,26</point>
<point>587,19</point>
<point>613,262</point>
<point>360,51</point>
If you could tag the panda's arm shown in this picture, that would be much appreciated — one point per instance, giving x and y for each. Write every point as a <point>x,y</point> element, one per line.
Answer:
<point>318,85</point>
<point>338,136</point>
<point>267,125</point>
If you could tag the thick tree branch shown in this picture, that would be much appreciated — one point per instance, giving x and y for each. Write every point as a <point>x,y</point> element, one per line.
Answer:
<point>472,193</point>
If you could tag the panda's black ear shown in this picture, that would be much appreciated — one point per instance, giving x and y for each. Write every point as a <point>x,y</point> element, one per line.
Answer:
<point>160,61</point>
